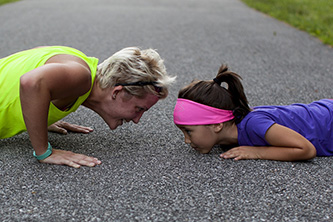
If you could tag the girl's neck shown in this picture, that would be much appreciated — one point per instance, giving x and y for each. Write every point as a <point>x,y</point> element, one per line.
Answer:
<point>229,135</point>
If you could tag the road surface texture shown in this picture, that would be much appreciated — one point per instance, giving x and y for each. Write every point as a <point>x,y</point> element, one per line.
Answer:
<point>148,172</point>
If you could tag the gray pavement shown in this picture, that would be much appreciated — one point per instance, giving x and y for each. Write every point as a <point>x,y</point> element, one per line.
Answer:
<point>148,172</point>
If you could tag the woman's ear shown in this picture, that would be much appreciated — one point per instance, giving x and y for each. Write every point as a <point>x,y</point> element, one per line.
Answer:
<point>116,90</point>
<point>218,127</point>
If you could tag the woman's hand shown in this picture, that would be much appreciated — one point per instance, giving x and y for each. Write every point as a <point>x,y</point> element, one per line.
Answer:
<point>63,128</point>
<point>63,157</point>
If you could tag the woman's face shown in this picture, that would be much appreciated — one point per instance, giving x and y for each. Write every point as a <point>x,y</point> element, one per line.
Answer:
<point>126,108</point>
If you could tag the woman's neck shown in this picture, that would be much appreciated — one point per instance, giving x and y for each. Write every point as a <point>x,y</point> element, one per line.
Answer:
<point>94,99</point>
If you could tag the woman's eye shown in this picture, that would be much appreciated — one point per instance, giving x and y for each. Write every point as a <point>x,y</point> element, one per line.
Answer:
<point>139,109</point>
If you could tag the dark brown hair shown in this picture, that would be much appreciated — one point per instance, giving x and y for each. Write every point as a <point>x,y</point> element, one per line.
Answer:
<point>211,93</point>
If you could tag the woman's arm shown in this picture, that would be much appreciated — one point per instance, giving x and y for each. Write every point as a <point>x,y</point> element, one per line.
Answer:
<point>286,145</point>
<point>53,81</point>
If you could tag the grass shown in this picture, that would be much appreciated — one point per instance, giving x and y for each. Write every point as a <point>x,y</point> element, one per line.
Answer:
<point>7,1</point>
<point>312,16</point>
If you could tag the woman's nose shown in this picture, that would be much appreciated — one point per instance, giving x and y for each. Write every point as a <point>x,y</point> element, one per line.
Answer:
<point>137,118</point>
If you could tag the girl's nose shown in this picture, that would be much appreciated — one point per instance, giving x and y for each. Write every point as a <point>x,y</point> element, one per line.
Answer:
<point>187,140</point>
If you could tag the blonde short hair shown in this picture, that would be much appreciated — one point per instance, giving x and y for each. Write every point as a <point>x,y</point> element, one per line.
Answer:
<point>133,65</point>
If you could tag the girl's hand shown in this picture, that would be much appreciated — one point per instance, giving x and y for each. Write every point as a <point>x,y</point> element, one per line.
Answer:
<point>63,128</point>
<point>63,157</point>
<point>241,153</point>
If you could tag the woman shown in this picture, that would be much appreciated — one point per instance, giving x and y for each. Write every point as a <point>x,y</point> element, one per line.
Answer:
<point>40,86</point>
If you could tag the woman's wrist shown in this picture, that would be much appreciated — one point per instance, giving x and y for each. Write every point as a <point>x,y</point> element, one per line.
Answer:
<point>47,153</point>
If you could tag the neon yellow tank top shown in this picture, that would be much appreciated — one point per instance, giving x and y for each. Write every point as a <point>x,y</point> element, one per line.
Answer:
<point>13,67</point>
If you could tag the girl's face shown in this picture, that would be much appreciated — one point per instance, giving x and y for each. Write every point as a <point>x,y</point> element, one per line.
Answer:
<point>201,137</point>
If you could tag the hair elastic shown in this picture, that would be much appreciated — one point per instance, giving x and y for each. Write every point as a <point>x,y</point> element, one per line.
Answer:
<point>136,84</point>
<point>157,88</point>
<point>188,112</point>
<point>217,81</point>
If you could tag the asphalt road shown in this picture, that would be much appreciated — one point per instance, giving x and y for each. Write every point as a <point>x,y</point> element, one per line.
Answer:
<point>148,172</point>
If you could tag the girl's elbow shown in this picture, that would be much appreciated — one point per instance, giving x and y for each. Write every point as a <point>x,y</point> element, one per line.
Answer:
<point>311,152</point>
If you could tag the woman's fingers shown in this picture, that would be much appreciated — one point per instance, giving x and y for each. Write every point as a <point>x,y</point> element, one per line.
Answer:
<point>63,127</point>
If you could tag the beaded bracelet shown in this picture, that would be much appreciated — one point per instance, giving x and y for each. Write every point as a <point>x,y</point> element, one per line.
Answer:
<point>47,153</point>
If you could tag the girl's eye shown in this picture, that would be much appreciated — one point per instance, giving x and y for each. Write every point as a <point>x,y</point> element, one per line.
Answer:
<point>188,131</point>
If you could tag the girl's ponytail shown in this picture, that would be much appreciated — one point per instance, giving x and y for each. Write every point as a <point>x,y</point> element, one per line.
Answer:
<point>211,93</point>
<point>236,90</point>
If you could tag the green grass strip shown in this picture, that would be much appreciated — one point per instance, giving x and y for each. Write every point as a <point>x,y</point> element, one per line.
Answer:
<point>312,16</point>
<point>2,2</point>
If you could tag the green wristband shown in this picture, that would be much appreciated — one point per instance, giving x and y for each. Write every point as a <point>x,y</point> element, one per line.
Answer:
<point>47,153</point>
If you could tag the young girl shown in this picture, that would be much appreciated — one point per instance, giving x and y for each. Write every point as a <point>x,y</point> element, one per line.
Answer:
<point>209,114</point>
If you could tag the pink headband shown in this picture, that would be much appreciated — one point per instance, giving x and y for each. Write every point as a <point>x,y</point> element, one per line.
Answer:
<point>188,112</point>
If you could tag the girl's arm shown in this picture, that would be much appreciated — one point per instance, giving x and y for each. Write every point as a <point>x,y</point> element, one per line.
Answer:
<point>53,81</point>
<point>286,145</point>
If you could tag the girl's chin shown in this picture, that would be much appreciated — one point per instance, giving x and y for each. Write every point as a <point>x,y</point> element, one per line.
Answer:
<point>201,150</point>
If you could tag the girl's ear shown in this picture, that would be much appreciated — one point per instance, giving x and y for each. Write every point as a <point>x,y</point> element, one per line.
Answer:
<point>218,127</point>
